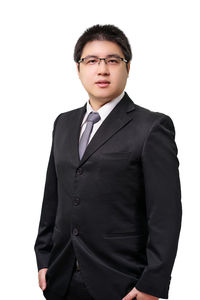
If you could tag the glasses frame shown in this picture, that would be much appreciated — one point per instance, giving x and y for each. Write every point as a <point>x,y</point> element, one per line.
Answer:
<point>103,58</point>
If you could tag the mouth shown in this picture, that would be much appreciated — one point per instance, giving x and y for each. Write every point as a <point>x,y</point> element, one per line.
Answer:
<point>102,83</point>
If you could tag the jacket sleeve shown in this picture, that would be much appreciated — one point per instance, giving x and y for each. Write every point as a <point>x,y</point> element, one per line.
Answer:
<point>43,243</point>
<point>163,206</point>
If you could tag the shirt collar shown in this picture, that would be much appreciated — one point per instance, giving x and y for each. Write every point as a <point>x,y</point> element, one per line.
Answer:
<point>105,109</point>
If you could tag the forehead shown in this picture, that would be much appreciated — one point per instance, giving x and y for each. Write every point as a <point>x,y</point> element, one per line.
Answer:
<point>101,49</point>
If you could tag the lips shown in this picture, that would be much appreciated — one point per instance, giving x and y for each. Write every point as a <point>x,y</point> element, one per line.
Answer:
<point>103,83</point>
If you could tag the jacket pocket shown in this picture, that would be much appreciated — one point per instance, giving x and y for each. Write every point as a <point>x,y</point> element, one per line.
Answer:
<point>116,155</point>
<point>125,235</point>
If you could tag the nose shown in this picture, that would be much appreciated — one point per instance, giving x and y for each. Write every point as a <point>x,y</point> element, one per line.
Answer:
<point>103,67</point>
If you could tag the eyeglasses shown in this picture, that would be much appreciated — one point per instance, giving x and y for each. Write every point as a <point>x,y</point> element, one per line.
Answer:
<point>94,60</point>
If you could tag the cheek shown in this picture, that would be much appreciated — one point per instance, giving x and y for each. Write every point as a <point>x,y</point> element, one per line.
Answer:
<point>88,79</point>
<point>119,80</point>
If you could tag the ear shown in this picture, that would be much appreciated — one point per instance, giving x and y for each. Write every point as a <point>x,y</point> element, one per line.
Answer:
<point>77,68</point>
<point>128,66</point>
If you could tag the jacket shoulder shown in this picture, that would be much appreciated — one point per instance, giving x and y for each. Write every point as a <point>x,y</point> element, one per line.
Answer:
<point>67,114</point>
<point>149,117</point>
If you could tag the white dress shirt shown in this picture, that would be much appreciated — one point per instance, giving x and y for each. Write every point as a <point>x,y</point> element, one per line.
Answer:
<point>103,111</point>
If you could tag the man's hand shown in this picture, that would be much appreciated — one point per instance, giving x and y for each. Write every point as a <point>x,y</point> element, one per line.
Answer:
<point>134,293</point>
<point>42,278</point>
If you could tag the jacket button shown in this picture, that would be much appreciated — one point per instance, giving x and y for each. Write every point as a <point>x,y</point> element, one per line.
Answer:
<point>79,171</point>
<point>77,201</point>
<point>75,231</point>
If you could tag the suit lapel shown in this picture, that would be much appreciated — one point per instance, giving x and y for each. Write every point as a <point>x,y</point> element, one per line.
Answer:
<point>74,132</point>
<point>117,119</point>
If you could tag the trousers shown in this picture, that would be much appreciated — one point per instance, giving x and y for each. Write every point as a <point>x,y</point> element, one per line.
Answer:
<point>77,289</point>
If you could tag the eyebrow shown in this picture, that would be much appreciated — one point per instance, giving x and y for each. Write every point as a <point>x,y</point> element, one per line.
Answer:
<point>109,55</point>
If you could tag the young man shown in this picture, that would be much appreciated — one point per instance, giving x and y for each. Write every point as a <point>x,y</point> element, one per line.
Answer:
<point>111,213</point>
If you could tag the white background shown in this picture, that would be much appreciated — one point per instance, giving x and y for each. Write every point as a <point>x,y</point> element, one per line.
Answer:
<point>38,81</point>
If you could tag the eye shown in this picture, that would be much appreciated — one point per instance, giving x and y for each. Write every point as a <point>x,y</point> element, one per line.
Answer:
<point>113,61</point>
<point>91,61</point>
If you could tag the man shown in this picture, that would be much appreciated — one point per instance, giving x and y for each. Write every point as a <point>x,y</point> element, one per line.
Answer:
<point>111,213</point>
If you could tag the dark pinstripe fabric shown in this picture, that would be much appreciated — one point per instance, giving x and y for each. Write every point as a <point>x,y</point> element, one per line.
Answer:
<point>77,289</point>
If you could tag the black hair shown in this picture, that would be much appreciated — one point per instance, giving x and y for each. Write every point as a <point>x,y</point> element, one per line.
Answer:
<point>103,33</point>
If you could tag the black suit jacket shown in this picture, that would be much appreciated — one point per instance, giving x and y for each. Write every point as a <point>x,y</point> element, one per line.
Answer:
<point>118,209</point>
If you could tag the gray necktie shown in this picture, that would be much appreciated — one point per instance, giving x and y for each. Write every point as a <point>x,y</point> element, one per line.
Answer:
<point>92,118</point>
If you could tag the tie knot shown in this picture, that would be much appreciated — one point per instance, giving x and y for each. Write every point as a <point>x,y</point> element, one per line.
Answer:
<point>93,117</point>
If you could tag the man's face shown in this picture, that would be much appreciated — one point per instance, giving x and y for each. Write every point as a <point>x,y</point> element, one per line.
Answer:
<point>90,74</point>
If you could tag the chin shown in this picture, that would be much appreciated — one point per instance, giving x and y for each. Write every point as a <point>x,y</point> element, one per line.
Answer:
<point>104,96</point>
<point>103,93</point>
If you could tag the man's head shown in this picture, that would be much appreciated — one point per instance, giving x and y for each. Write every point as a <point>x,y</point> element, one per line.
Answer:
<point>102,41</point>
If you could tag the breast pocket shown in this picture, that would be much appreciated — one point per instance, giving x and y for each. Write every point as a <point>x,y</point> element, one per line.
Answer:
<point>115,155</point>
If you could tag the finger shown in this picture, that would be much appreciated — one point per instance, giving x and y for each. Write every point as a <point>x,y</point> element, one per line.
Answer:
<point>43,285</point>
<point>130,296</point>
<point>42,282</point>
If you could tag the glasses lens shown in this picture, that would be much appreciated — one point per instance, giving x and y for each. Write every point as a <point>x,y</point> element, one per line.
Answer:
<point>109,60</point>
<point>113,60</point>
<point>91,61</point>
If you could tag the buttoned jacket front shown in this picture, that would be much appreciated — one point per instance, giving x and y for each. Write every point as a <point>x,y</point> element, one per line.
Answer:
<point>118,209</point>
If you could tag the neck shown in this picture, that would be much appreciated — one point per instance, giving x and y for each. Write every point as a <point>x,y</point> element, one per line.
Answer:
<point>97,103</point>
